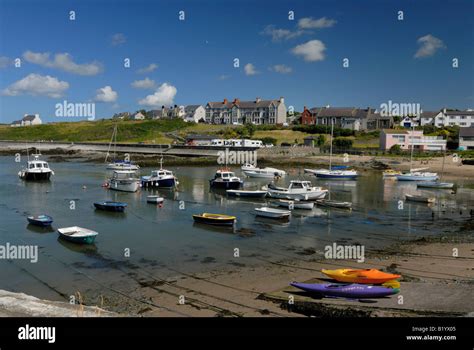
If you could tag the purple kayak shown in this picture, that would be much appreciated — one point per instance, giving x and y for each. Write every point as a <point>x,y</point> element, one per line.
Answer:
<point>351,291</point>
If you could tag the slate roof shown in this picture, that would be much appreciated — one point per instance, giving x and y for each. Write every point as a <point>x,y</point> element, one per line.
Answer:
<point>466,132</point>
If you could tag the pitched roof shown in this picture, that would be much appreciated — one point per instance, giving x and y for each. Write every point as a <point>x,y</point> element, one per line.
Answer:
<point>456,112</point>
<point>29,118</point>
<point>466,131</point>
<point>16,122</point>
<point>429,114</point>
<point>244,104</point>
<point>348,112</point>
<point>191,108</point>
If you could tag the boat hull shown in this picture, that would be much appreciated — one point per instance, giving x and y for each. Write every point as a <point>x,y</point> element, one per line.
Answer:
<point>210,221</point>
<point>337,176</point>
<point>273,214</point>
<point>162,183</point>
<point>40,222</point>
<point>297,196</point>
<point>360,276</point>
<point>416,178</point>
<point>124,186</point>
<point>352,291</point>
<point>119,207</point>
<point>295,205</point>
<point>247,194</point>
<point>29,176</point>
<point>225,184</point>
<point>442,185</point>
<point>78,240</point>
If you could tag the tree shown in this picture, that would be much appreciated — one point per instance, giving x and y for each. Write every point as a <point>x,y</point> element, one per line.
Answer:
<point>395,149</point>
<point>321,140</point>
<point>250,128</point>
<point>342,142</point>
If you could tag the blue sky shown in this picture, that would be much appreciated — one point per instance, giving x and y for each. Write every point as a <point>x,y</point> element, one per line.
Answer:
<point>407,61</point>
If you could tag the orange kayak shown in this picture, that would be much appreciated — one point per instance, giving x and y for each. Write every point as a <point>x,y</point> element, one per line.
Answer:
<point>360,276</point>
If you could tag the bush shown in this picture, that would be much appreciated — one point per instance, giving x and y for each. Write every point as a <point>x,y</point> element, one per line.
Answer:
<point>323,129</point>
<point>395,149</point>
<point>268,140</point>
<point>342,142</point>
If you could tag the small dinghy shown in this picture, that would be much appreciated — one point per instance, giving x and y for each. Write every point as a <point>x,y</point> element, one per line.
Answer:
<point>154,199</point>
<point>334,204</point>
<point>110,206</point>
<point>294,204</point>
<point>350,291</point>
<point>77,234</point>
<point>272,213</point>
<point>248,194</point>
<point>40,220</point>
<point>214,219</point>
<point>364,276</point>
<point>434,184</point>
<point>421,199</point>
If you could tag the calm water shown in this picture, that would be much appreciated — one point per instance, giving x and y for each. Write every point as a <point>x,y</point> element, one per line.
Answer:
<point>165,241</point>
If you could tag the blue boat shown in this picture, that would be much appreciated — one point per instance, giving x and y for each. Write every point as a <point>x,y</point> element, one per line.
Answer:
<point>110,206</point>
<point>40,220</point>
<point>338,174</point>
<point>161,178</point>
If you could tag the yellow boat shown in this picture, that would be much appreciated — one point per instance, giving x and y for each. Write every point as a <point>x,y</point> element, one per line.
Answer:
<point>391,173</point>
<point>360,276</point>
<point>214,219</point>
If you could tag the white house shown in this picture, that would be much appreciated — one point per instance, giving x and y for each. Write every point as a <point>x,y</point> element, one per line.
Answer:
<point>139,116</point>
<point>429,118</point>
<point>409,122</point>
<point>27,120</point>
<point>194,113</point>
<point>463,119</point>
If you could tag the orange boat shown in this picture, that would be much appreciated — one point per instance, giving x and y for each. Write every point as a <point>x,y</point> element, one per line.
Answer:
<point>360,276</point>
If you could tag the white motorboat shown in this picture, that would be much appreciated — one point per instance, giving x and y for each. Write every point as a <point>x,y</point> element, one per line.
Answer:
<point>252,171</point>
<point>225,179</point>
<point>297,190</point>
<point>36,170</point>
<point>161,178</point>
<point>417,176</point>
<point>247,193</point>
<point>272,213</point>
<point>124,180</point>
<point>294,204</point>
<point>421,199</point>
<point>435,184</point>
<point>154,199</point>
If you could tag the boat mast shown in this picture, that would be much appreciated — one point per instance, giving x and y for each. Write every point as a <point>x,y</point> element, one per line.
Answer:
<point>332,136</point>
<point>412,147</point>
<point>110,144</point>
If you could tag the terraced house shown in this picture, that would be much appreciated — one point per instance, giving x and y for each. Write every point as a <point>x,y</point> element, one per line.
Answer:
<point>240,112</point>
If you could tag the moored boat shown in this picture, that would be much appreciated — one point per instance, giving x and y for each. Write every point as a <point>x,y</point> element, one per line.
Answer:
<point>36,170</point>
<point>225,179</point>
<point>297,190</point>
<point>294,204</point>
<point>421,199</point>
<point>122,165</point>
<point>161,178</point>
<point>110,206</point>
<point>334,204</point>
<point>390,173</point>
<point>338,174</point>
<point>154,199</point>
<point>272,213</point>
<point>253,171</point>
<point>124,180</point>
<point>351,291</point>
<point>77,234</point>
<point>247,193</point>
<point>435,184</point>
<point>40,220</point>
<point>417,176</point>
<point>214,219</point>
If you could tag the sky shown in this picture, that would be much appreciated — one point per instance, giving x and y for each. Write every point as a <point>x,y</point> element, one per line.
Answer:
<point>191,60</point>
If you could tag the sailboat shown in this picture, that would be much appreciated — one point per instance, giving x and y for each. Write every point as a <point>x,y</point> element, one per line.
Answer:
<point>437,184</point>
<point>334,172</point>
<point>416,174</point>
<point>116,163</point>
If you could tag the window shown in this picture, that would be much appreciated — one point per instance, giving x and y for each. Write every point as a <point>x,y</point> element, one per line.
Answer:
<point>39,165</point>
<point>45,166</point>
<point>32,166</point>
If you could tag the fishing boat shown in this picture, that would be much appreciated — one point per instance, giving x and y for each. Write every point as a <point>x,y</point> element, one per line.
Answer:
<point>351,291</point>
<point>110,206</point>
<point>334,204</point>
<point>294,204</point>
<point>154,199</point>
<point>297,190</point>
<point>421,199</point>
<point>40,220</point>
<point>252,171</point>
<point>116,163</point>
<point>272,213</point>
<point>161,178</point>
<point>77,234</point>
<point>390,173</point>
<point>123,180</point>
<point>214,219</point>
<point>435,184</point>
<point>247,193</point>
<point>36,170</point>
<point>372,276</point>
<point>225,179</point>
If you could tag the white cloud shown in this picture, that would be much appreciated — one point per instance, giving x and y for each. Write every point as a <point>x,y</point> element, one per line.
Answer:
<point>429,46</point>
<point>278,34</point>
<point>144,84</point>
<point>281,68</point>
<point>106,94</point>
<point>148,69</point>
<point>163,96</point>
<point>311,51</point>
<point>37,85</point>
<point>250,69</point>
<point>311,23</point>
<point>62,61</point>
<point>118,39</point>
<point>4,62</point>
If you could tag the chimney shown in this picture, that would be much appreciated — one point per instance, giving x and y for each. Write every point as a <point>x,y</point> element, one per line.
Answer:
<point>236,101</point>
<point>304,109</point>
<point>444,110</point>
<point>282,99</point>
<point>257,100</point>
<point>225,102</point>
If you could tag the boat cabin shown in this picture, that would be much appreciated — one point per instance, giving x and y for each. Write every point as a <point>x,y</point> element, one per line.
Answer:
<point>300,185</point>
<point>161,173</point>
<point>37,164</point>
<point>123,174</point>
<point>225,175</point>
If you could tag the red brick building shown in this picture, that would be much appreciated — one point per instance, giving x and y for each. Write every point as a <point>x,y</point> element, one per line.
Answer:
<point>307,118</point>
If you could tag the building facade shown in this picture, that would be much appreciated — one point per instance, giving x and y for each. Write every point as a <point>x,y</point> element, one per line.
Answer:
<point>463,119</point>
<point>408,138</point>
<point>27,120</point>
<point>466,138</point>
<point>240,112</point>
<point>194,113</point>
